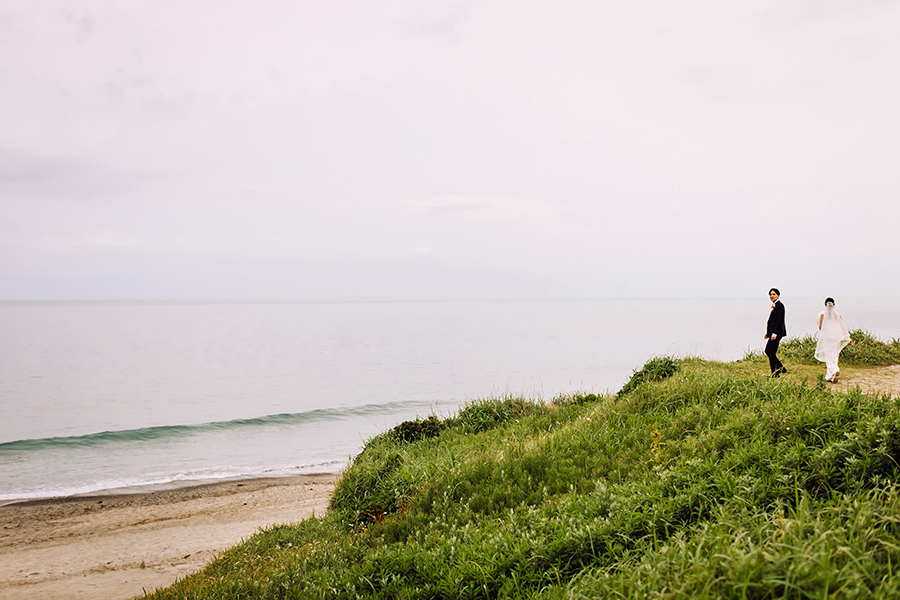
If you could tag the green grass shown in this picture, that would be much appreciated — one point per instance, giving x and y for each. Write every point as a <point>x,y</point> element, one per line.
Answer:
<point>702,480</point>
<point>867,350</point>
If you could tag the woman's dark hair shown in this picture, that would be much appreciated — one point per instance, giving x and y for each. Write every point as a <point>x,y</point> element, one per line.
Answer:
<point>775,290</point>
<point>827,300</point>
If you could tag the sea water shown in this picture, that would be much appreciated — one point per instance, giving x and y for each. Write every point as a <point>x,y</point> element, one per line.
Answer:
<point>137,395</point>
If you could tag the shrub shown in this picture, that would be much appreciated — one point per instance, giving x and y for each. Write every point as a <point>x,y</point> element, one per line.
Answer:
<point>655,369</point>
<point>414,431</point>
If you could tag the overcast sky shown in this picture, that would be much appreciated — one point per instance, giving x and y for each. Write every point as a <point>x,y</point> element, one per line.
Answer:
<point>495,149</point>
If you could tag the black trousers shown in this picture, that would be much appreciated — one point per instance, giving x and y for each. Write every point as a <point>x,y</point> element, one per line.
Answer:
<point>771,352</point>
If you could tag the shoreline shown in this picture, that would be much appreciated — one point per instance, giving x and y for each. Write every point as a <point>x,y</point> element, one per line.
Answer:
<point>151,489</point>
<point>116,545</point>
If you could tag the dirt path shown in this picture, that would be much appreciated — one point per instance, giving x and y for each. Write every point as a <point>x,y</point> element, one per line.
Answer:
<point>873,379</point>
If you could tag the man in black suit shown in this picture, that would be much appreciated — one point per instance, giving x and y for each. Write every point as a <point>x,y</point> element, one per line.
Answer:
<point>775,330</point>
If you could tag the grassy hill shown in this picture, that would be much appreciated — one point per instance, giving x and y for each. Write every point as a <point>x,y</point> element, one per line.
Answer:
<point>699,480</point>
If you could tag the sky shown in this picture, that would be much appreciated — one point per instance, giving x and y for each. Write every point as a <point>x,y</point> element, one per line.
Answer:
<point>347,150</point>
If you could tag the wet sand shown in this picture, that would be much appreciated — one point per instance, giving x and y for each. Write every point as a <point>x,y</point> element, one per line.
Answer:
<point>116,546</point>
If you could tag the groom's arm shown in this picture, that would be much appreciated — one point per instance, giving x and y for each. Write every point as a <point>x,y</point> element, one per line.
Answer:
<point>782,328</point>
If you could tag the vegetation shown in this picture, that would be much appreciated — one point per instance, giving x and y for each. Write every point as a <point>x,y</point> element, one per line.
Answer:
<point>655,369</point>
<point>414,431</point>
<point>701,480</point>
<point>867,350</point>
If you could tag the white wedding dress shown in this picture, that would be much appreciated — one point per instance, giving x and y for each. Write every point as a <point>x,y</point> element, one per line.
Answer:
<point>832,338</point>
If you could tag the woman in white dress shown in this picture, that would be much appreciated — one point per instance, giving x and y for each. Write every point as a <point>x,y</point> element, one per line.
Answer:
<point>833,336</point>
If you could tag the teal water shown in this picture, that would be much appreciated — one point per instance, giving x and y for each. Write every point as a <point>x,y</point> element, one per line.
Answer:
<point>177,431</point>
<point>100,396</point>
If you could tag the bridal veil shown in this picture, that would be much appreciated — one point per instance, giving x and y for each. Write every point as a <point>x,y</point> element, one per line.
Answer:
<point>833,336</point>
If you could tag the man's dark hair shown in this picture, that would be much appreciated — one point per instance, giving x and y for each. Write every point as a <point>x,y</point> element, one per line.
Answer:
<point>829,299</point>
<point>775,290</point>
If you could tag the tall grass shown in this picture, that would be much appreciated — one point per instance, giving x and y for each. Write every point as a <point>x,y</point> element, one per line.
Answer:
<point>867,350</point>
<point>712,482</point>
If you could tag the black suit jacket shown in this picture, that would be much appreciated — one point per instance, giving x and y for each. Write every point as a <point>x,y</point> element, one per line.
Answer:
<point>776,321</point>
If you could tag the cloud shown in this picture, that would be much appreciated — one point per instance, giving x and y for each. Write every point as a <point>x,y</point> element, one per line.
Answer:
<point>487,207</point>
<point>571,142</point>
<point>444,26</point>
<point>25,176</point>
<point>108,238</point>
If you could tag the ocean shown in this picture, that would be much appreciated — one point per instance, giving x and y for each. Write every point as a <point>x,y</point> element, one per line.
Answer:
<point>134,396</point>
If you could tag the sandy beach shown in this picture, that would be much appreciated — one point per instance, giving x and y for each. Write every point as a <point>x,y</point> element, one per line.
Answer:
<point>115,546</point>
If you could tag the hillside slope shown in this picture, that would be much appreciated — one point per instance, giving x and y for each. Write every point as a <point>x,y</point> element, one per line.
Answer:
<point>701,480</point>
